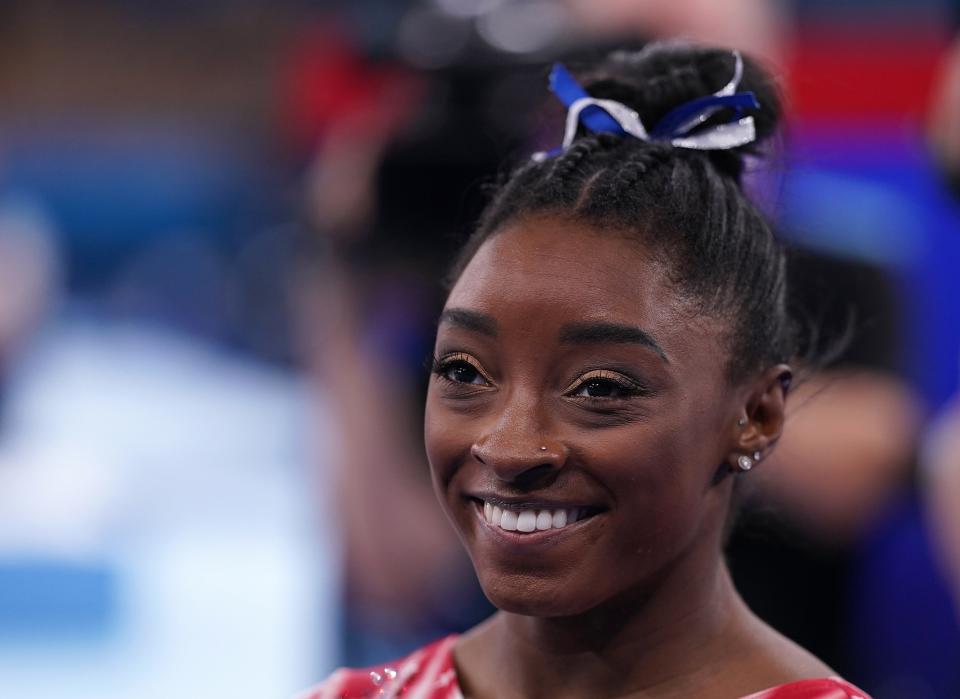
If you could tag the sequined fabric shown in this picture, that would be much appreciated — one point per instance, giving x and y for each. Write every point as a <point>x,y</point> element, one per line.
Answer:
<point>425,674</point>
<point>429,673</point>
<point>812,689</point>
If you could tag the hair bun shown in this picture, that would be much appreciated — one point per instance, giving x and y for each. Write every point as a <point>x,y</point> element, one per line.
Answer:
<point>664,75</point>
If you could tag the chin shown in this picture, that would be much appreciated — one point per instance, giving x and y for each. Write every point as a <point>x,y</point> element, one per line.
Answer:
<point>520,594</point>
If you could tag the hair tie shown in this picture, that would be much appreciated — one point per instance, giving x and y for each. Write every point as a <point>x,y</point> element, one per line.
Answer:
<point>676,127</point>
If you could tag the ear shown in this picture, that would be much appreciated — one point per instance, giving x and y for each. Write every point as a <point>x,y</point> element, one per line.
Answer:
<point>759,423</point>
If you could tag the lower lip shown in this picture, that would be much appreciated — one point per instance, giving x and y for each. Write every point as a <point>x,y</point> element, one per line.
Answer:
<point>534,538</point>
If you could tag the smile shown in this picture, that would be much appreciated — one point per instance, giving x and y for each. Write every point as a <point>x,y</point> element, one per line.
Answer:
<point>526,519</point>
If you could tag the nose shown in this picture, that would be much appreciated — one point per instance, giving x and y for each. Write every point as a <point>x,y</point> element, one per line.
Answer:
<point>519,450</point>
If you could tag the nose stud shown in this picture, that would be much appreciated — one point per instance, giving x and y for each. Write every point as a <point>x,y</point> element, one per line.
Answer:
<point>543,448</point>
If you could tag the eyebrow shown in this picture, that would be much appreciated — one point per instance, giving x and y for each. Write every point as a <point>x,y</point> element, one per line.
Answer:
<point>571,333</point>
<point>614,333</point>
<point>470,320</point>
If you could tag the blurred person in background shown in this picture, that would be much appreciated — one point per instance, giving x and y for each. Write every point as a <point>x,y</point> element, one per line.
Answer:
<point>31,274</point>
<point>941,448</point>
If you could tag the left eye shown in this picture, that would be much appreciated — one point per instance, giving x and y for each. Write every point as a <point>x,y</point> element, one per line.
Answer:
<point>462,372</point>
<point>602,388</point>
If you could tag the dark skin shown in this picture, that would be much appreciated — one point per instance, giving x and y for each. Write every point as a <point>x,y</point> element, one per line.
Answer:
<point>557,335</point>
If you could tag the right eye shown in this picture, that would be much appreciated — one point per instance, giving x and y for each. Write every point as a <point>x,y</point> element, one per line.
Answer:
<point>458,369</point>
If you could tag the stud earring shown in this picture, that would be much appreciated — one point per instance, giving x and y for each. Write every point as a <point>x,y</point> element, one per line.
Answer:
<point>543,448</point>
<point>742,422</point>
<point>745,462</point>
<point>756,456</point>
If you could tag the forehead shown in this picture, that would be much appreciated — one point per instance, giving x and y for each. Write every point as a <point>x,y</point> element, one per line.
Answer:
<point>550,271</point>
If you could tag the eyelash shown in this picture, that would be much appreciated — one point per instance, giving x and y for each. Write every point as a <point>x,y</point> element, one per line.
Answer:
<point>442,365</point>
<point>629,388</point>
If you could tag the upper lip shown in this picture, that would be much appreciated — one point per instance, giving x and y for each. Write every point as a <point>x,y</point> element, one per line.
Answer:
<point>537,502</point>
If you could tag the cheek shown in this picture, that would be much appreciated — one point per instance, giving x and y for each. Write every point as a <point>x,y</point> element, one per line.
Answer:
<point>660,482</point>
<point>446,440</point>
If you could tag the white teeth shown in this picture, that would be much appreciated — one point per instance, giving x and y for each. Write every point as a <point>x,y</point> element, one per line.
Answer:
<point>528,521</point>
<point>559,519</point>
<point>509,521</point>
<point>544,520</point>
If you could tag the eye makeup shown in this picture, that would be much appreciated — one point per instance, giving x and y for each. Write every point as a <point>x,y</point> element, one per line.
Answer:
<point>460,368</point>
<point>604,384</point>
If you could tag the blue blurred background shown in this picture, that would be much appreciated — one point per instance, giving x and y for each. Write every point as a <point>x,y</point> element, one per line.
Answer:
<point>222,229</point>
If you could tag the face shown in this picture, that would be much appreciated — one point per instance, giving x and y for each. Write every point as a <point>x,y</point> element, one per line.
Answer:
<point>576,418</point>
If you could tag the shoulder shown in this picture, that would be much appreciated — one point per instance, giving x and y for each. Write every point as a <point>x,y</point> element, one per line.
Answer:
<point>827,688</point>
<point>429,670</point>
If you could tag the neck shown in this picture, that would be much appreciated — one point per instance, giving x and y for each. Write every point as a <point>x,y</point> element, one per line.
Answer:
<point>656,642</point>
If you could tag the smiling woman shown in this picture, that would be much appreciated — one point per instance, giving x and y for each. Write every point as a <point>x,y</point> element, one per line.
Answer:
<point>613,354</point>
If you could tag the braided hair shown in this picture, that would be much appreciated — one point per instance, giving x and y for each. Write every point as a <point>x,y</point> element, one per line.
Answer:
<point>685,206</point>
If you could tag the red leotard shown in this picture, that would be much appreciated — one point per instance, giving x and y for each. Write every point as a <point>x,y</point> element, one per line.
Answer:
<point>429,673</point>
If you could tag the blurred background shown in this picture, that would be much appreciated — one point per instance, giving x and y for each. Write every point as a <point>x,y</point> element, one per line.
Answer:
<point>223,227</point>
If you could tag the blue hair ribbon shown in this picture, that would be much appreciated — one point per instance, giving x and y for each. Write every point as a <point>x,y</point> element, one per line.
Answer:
<point>569,91</point>
<point>678,126</point>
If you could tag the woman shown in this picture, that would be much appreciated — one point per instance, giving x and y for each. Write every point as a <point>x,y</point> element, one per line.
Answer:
<point>611,358</point>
